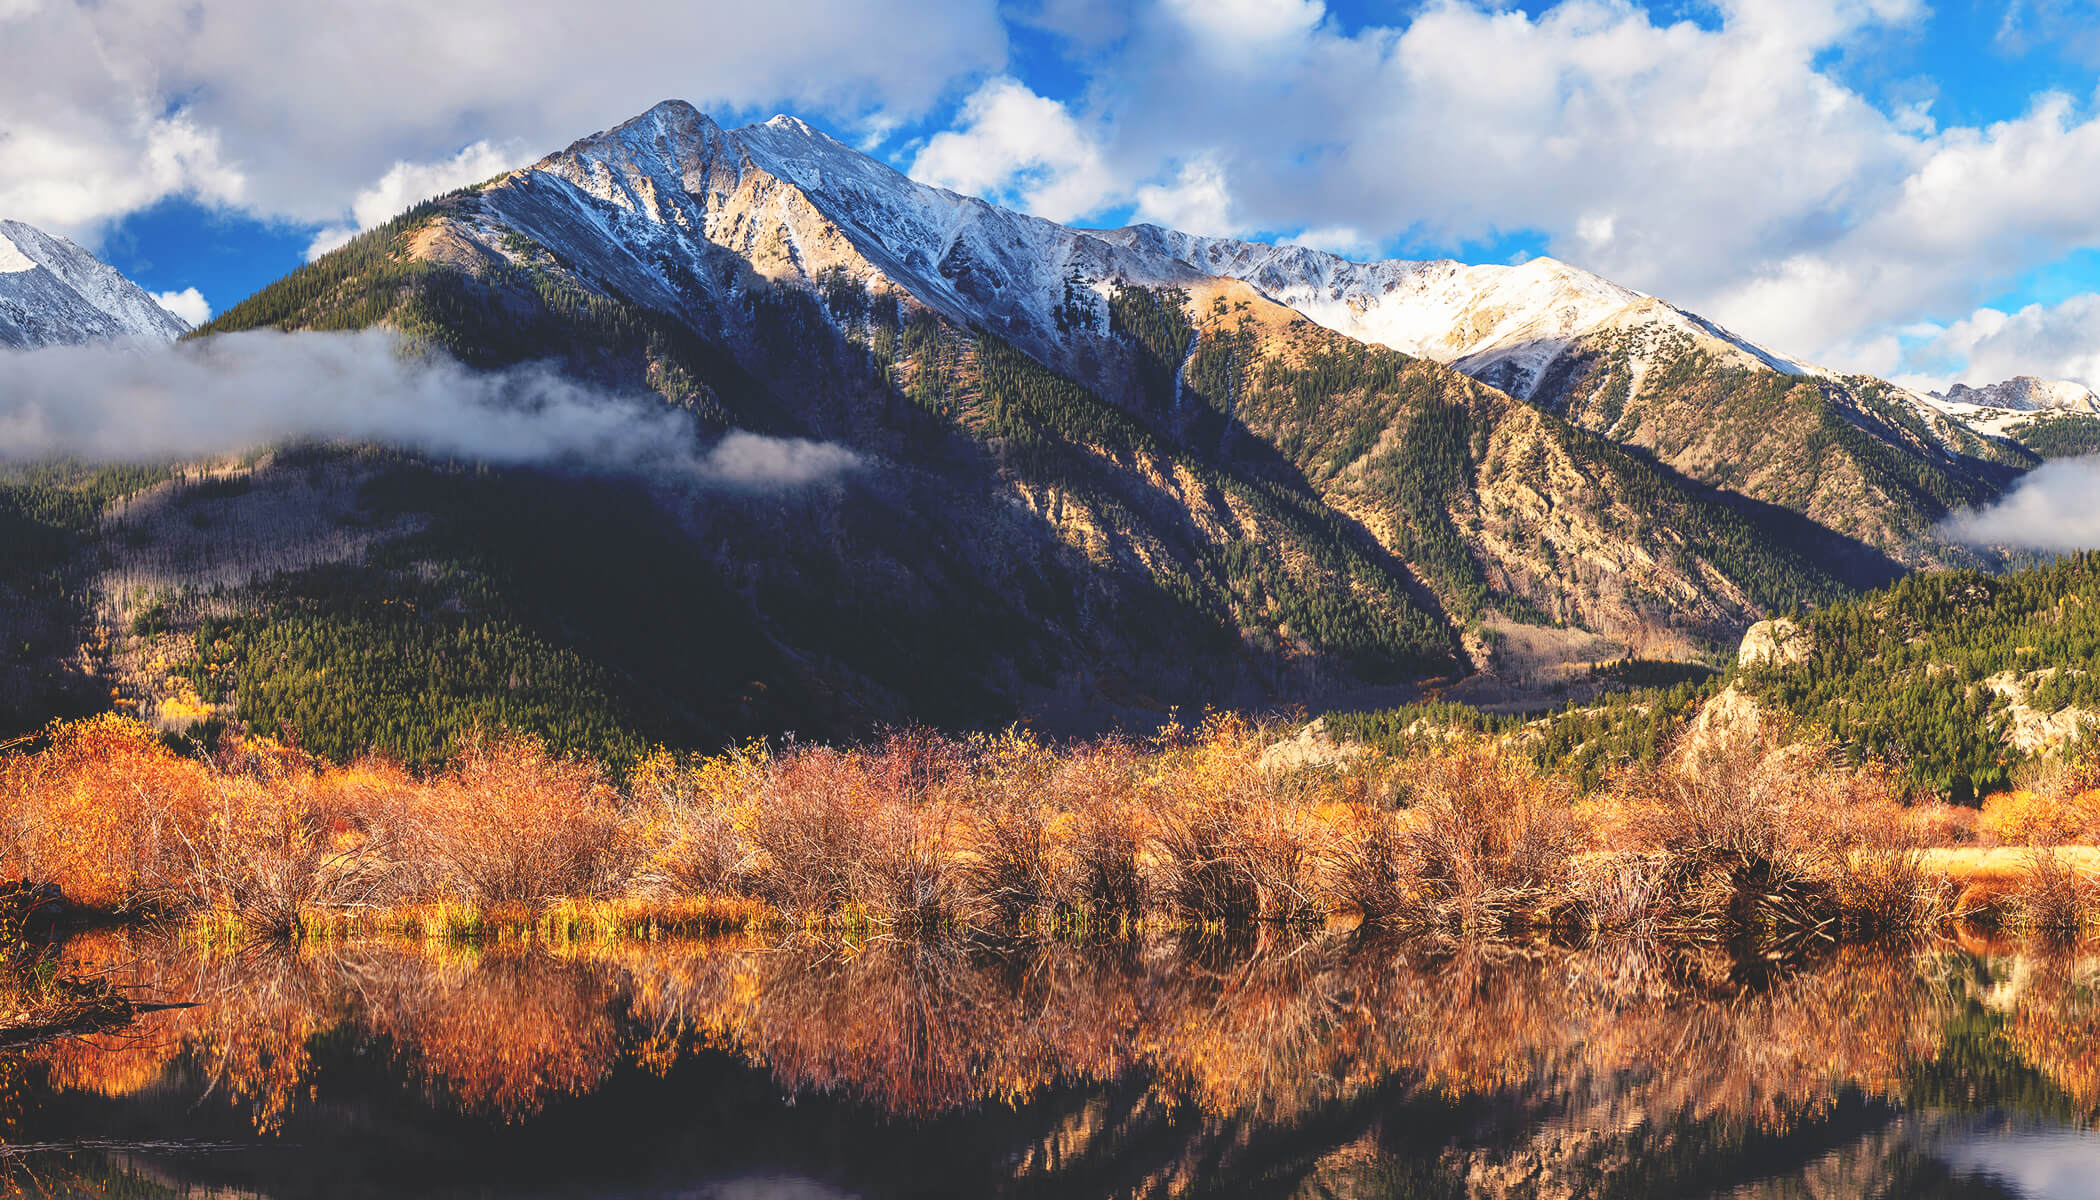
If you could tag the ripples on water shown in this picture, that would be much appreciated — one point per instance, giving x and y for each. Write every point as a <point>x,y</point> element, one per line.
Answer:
<point>1272,1064</point>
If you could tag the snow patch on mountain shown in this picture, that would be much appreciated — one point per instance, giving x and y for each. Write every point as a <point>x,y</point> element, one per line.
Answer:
<point>12,259</point>
<point>1989,420</point>
<point>53,293</point>
<point>2006,408</point>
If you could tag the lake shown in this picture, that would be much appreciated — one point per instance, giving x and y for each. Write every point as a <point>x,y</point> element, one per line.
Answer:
<point>1328,1064</point>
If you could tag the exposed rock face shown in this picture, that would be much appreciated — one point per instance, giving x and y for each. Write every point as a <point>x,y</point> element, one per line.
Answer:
<point>1730,714</point>
<point>1314,747</point>
<point>1777,642</point>
<point>1735,713</point>
<point>2030,730</point>
<point>1634,368</point>
<point>1507,325</point>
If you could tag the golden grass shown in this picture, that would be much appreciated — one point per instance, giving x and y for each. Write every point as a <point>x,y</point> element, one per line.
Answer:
<point>2001,884</point>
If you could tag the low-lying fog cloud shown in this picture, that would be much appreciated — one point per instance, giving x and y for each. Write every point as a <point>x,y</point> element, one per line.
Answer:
<point>133,403</point>
<point>2056,508</point>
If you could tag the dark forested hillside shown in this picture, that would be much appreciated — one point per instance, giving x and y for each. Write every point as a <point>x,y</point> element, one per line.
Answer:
<point>2060,435</point>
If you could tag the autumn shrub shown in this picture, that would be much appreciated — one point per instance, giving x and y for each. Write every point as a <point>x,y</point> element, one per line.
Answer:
<point>1369,871</point>
<point>1745,825</point>
<point>1102,824</point>
<point>1013,862</point>
<point>909,867</point>
<point>1883,881</point>
<point>2059,803</point>
<point>918,829</point>
<point>1622,893</point>
<point>876,827</point>
<point>1489,839</point>
<point>1938,823</point>
<point>277,844</point>
<point>1288,843</point>
<point>690,815</point>
<point>510,822</point>
<point>1200,874</point>
<point>1232,841</point>
<point>2054,894</point>
<point>101,811</point>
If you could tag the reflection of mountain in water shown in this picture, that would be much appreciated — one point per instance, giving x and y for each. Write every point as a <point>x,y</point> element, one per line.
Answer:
<point>1323,1066</point>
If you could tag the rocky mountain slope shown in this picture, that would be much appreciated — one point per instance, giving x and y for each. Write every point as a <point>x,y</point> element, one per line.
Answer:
<point>1963,683</point>
<point>54,293</point>
<point>1854,454</point>
<point>1101,481</point>
<point>1510,326</point>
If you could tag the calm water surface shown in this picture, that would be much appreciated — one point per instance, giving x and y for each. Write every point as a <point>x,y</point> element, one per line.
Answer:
<point>1322,1065</point>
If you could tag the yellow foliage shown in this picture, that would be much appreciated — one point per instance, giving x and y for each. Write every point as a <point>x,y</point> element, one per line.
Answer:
<point>2040,818</point>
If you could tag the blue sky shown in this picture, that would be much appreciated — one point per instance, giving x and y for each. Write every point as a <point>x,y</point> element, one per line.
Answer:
<point>1900,186</point>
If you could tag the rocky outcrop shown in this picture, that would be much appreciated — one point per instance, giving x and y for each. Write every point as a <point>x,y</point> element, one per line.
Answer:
<point>1313,748</point>
<point>2030,730</point>
<point>1777,643</point>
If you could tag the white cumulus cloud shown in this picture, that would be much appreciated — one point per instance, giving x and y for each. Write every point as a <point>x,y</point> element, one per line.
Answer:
<point>2059,341</point>
<point>1198,200</point>
<point>1015,146</point>
<point>407,183</point>
<point>1725,166</point>
<point>291,110</point>
<point>189,304</point>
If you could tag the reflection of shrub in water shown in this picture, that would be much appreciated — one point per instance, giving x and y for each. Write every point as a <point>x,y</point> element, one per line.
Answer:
<point>1268,1025</point>
<point>503,1036</point>
<point>2055,1018</point>
<point>498,1033</point>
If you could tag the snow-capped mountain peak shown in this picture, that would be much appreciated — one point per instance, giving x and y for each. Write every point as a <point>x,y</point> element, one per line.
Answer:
<point>1507,325</point>
<point>791,201</point>
<point>672,210</point>
<point>2025,393</point>
<point>54,293</point>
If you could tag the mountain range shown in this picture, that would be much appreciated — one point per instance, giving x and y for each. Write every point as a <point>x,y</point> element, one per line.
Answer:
<point>1111,473</point>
